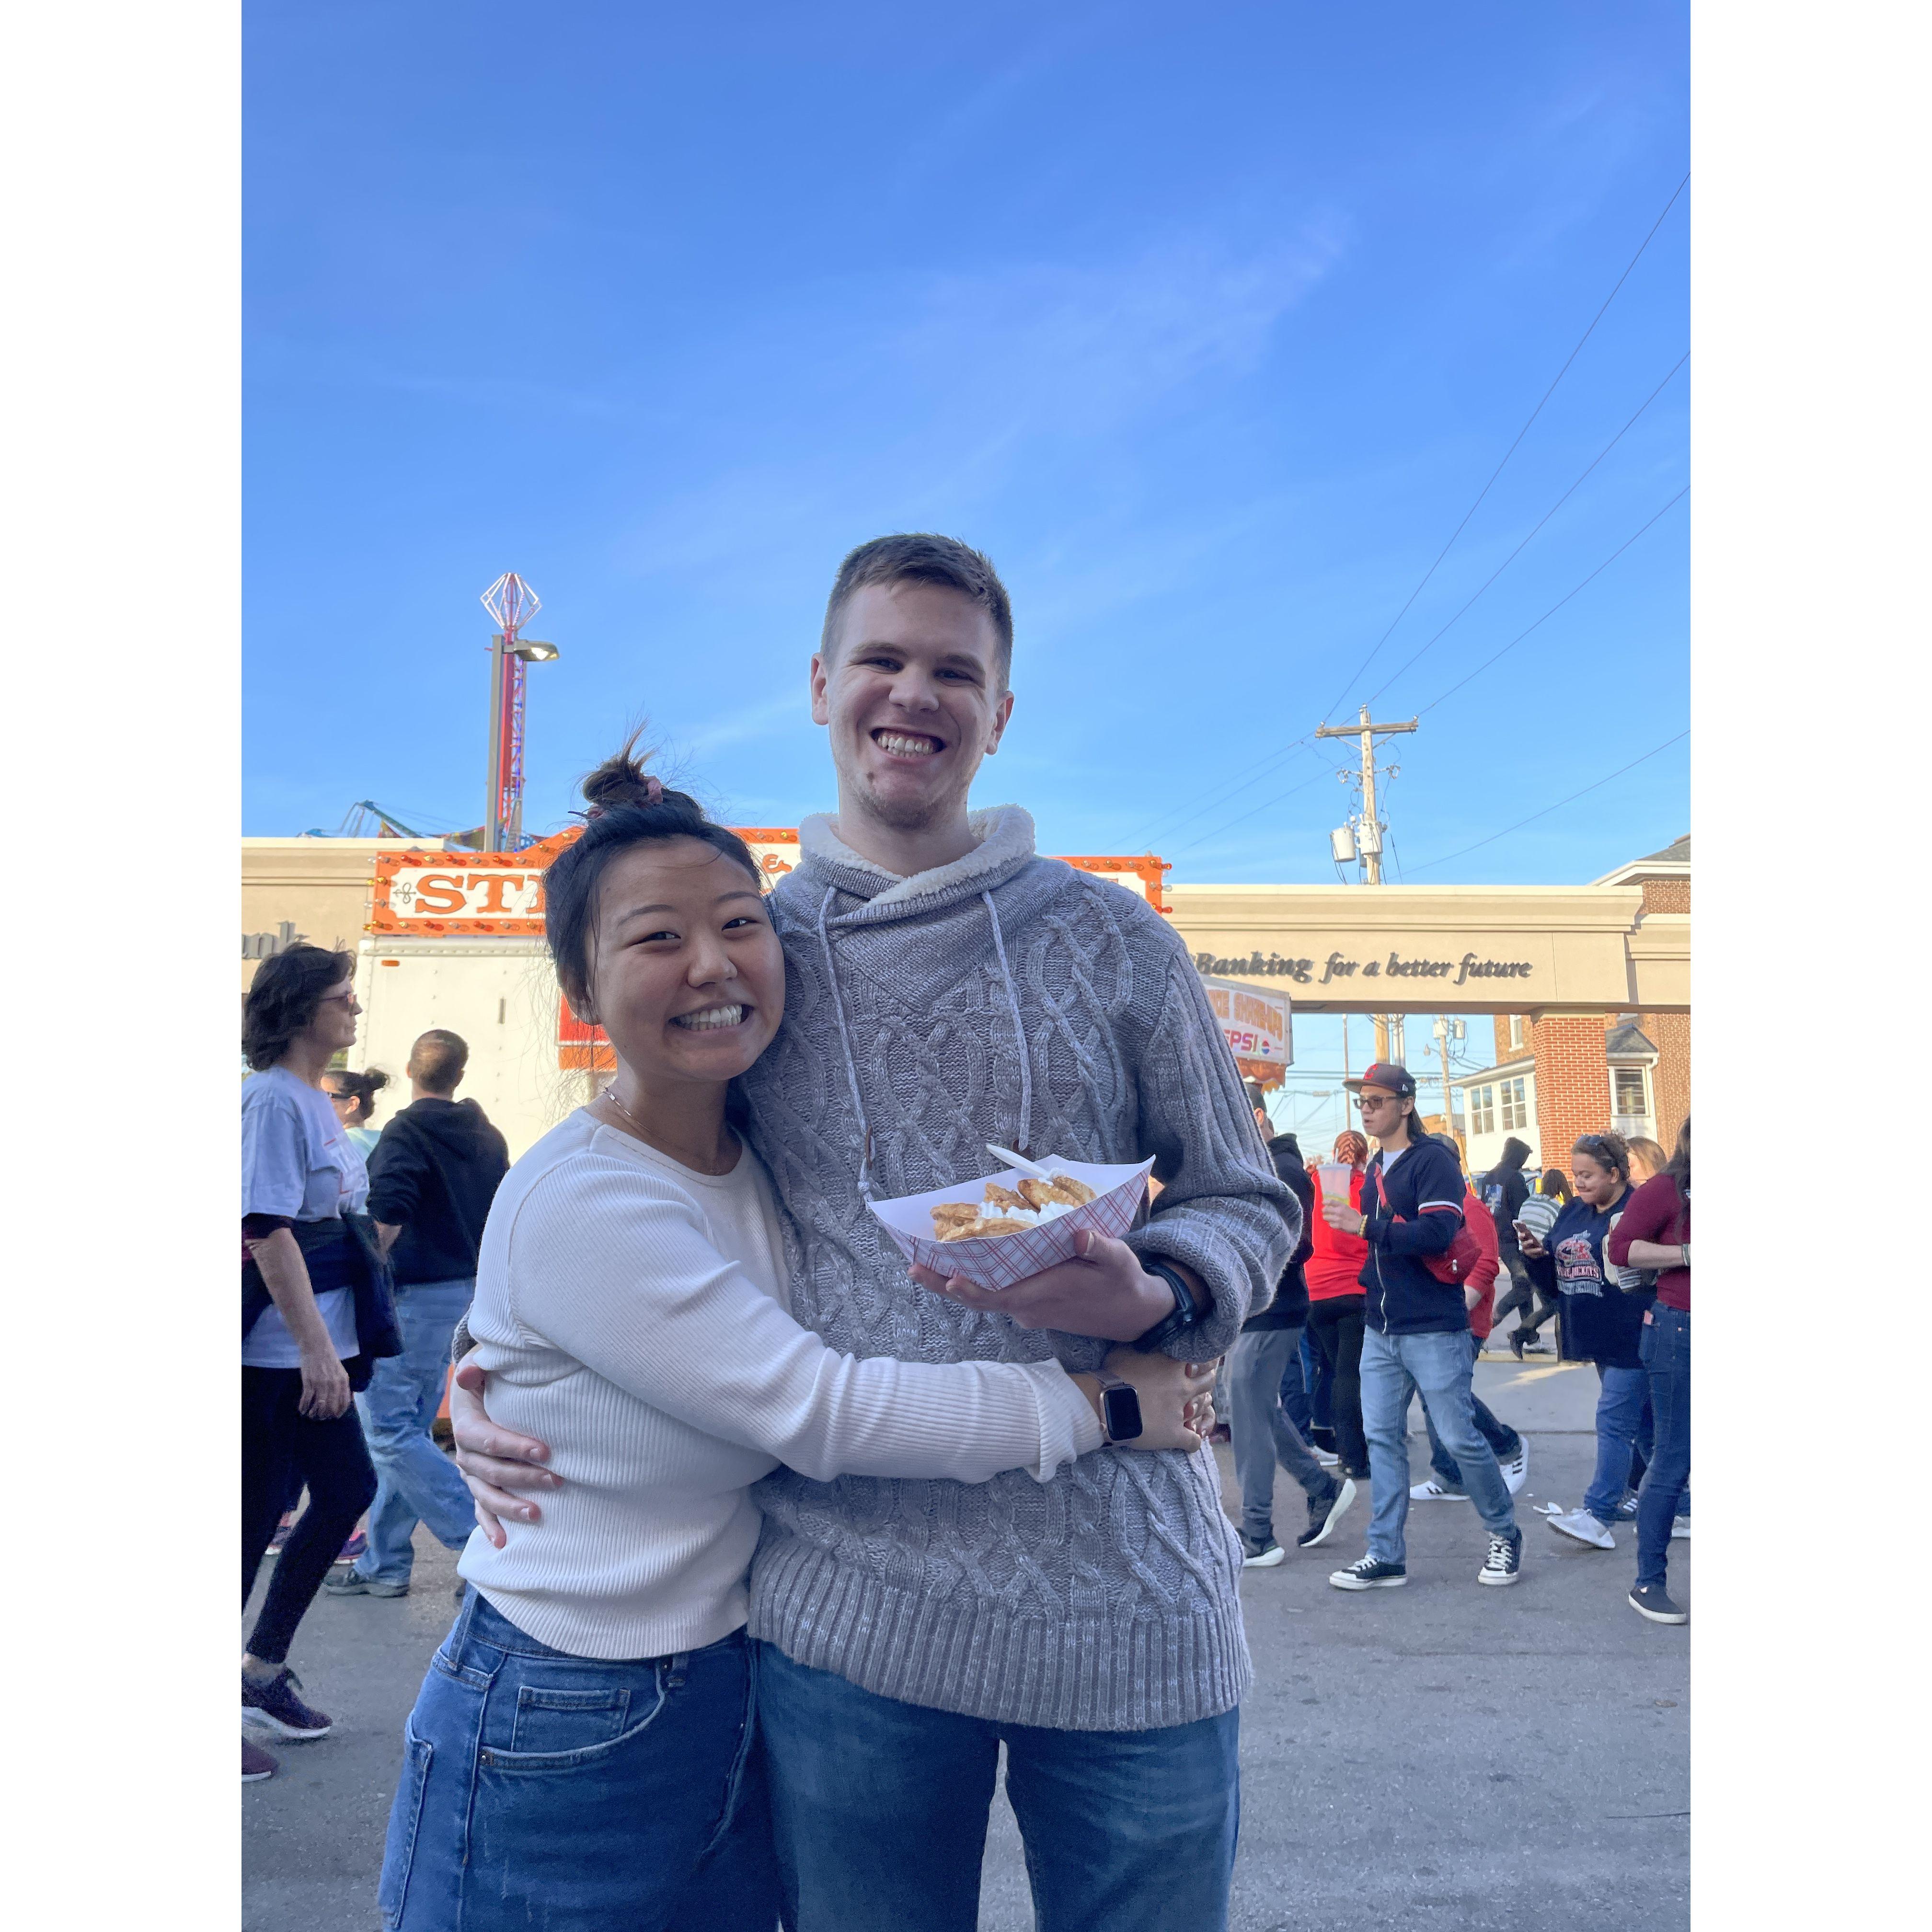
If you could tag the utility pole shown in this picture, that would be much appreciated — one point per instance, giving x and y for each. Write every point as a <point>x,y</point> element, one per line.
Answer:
<point>1372,827</point>
<point>1442,1031</point>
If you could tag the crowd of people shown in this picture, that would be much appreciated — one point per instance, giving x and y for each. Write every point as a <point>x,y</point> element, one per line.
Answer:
<point>1395,1283</point>
<point>783,1545</point>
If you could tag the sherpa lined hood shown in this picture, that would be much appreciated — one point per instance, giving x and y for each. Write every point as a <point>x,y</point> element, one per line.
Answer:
<point>1005,833</point>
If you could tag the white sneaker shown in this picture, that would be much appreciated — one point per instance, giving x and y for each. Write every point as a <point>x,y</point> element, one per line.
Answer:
<point>1326,1457</point>
<point>1681,1526</point>
<point>1433,1492</point>
<point>1580,1524</point>
<point>1516,1471</point>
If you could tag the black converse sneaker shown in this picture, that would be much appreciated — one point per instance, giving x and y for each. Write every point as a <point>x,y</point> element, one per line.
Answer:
<point>1370,1573</point>
<point>1504,1564</point>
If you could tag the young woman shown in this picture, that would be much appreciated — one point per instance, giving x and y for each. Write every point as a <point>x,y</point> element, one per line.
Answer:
<point>1602,1322</point>
<point>353,1097</point>
<point>314,1315</point>
<point>581,1756</point>
<point>1336,1302</point>
<point>1654,1232</point>
<point>1555,1183</point>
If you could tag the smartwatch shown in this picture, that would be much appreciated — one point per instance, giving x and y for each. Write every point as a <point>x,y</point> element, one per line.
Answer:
<point>1184,1314</point>
<point>1120,1408</point>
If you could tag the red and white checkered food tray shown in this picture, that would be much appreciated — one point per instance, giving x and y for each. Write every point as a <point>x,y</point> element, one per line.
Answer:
<point>998,1260</point>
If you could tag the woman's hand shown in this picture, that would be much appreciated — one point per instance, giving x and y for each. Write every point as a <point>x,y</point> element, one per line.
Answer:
<point>1175,1398</point>
<point>491,1458</point>
<point>1530,1247</point>
<point>1340,1215</point>
<point>324,1385</point>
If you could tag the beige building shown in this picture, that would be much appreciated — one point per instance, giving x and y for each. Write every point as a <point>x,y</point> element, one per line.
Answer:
<point>1590,985</point>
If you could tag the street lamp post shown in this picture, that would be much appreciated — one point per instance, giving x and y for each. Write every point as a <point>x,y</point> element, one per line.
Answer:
<point>513,604</point>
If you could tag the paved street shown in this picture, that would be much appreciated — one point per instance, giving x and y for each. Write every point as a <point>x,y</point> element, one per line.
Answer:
<point>1443,1755</point>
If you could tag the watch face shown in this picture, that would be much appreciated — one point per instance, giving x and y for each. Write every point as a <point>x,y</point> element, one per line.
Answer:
<point>1122,1409</point>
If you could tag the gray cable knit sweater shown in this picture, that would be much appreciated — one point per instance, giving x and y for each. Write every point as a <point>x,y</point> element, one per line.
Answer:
<point>1013,999</point>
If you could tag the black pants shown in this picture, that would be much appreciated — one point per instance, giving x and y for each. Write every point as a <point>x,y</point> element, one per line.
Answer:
<point>1522,1293</point>
<point>281,1449</point>
<point>1335,1326</point>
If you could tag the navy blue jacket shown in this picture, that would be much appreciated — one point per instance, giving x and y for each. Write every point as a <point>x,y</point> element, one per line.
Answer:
<point>1422,1215</point>
<point>1289,1308</point>
<point>1602,1323</point>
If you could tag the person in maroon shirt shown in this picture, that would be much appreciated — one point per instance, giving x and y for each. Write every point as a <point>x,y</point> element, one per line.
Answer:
<point>1654,1232</point>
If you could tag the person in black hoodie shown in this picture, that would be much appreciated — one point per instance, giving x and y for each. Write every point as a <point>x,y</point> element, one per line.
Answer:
<point>1504,1191</point>
<point>1261,1431</point>
<point>1416,1336</point>
<point>433,1173</point>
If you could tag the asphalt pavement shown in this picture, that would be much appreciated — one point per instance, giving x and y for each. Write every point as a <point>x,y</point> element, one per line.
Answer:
<point>1443,1756</point>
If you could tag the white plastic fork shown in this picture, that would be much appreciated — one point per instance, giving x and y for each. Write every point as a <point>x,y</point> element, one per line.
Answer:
<point>1018,1161</point>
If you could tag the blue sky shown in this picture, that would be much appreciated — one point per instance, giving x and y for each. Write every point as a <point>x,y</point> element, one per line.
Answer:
<point>1208,325</point>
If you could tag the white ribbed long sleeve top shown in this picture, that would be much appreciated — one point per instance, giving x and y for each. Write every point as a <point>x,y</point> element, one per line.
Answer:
<point>630,1313</point>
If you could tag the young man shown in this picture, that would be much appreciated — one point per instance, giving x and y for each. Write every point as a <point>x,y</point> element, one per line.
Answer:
<point>1417,1334</point>
<point>1504,1190</point>
<point>1479,1295</point>
<point>433,1175</point>
<point>947,987</point>
<point>1262,1433</point>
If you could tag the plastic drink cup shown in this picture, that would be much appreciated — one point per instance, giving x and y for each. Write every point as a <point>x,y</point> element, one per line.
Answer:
<point>1333,1178</point>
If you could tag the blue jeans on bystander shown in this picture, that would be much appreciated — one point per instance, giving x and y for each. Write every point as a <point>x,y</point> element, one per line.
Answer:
<point>1621,1403</point>
<point>1665,1345</point>
<point>1395,1368</point>
<point>1496,1432</point>
<point>415,1480</point>
<point>881,1807</point>
<point>578,1793</point>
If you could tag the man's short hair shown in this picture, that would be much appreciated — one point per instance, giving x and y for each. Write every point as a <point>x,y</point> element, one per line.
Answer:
<point>437,1059</point>
<point>922,558</point>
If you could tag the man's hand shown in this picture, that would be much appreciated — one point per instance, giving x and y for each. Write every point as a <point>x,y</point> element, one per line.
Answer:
<point>324,1385</point>
<point>1103,1292</point>
<point>492,1459</point>
<point>1339,1215</point>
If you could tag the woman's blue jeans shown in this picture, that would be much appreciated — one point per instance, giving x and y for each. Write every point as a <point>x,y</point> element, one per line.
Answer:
<point>577,1794</point>
<point>1665,1346</point>
<point>1620,1418</point>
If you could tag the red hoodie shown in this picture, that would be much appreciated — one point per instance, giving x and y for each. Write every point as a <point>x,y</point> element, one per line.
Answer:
<point>1482,1276</point>
<point>1334,1266</point>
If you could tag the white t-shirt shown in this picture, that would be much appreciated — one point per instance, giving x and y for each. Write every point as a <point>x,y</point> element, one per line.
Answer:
<point>297,1159</point>
<point>630,1313</point>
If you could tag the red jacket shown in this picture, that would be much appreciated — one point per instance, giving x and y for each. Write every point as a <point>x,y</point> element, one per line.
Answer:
<point>1334,1264</point>
<point>1482,1276</point>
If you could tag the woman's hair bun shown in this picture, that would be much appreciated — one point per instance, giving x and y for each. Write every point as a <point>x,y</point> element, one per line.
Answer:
<point>375,1079</point>
<point>621,780</point>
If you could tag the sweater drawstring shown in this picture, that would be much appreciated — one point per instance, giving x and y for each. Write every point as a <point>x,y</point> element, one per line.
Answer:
<point>1020,1146</point>
<point>845,1042</point>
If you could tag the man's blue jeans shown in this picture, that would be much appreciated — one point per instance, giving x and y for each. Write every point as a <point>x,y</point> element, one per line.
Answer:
<point>1665,1346</point>
<point>1260,1430</point>
<point>415,1480</point>
<point>1497,1433</point>
<point>1394,1369</point>
<point>1620,1415</point>
<point>581,1794</point>
<point>881,1808</point>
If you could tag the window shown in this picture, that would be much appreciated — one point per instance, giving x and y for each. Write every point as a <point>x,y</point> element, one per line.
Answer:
<point>1516,1030</point>
<point>1516,1107</point>
<point>1629,1093</point>
<point>1482,1109</point>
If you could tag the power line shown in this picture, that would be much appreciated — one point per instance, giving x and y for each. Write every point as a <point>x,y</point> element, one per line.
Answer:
<point>1560,602</point>
<point>1265,804</point>
<point>1253,773</point>
<point>1539,522</point>
<point>1557,807</point>
<point>1512,449</point>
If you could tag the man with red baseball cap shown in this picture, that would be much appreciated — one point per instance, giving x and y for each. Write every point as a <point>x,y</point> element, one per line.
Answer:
<point>1416,1336</point>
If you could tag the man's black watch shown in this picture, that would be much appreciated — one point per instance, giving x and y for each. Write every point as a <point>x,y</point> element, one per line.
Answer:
<point>1186,1313</point>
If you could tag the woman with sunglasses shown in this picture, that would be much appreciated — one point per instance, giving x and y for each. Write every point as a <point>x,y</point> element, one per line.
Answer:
<point>315,1314</point>
<point>1602,1323</point>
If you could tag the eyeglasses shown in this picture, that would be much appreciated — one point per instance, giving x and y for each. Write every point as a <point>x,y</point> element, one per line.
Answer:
<point>1363,1101</point>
